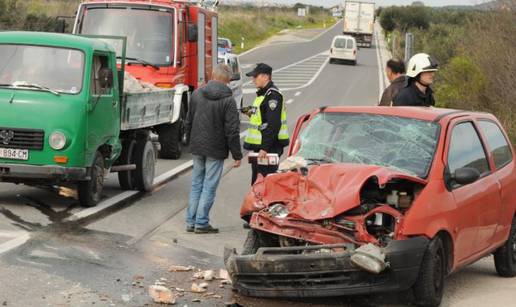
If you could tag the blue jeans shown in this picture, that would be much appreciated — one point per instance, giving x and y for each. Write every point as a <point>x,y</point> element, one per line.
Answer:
<point>205,180</point>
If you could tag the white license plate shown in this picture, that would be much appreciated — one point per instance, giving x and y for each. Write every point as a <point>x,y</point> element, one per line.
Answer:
<point>14,154</point>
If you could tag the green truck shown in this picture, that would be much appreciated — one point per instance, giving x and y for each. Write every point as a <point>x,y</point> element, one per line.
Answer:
<point>65,118</point>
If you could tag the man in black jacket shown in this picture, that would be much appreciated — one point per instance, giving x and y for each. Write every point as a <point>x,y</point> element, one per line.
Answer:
<point>268,131</point>
<point>213,127</point>
<point>396,74</point>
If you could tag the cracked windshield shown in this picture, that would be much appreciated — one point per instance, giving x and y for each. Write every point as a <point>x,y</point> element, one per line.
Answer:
<point>403,144</point>
<point>56,69</point>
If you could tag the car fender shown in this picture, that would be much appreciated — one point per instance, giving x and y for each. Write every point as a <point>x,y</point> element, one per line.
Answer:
<point>180,90</point>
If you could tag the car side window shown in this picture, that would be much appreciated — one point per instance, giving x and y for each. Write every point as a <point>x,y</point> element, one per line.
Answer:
<point>466,149</point>
<point>99,62</point>
<point>497,142</point>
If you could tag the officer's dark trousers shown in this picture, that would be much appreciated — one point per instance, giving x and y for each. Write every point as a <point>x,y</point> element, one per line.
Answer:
<point>262,169</point>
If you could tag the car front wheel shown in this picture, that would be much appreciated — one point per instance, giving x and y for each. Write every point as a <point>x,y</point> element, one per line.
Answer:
<point>428,289</point>
<point>505,256</point>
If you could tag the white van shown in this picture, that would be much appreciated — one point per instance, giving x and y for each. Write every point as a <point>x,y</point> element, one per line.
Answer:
<point>237,81</point>
<point>344,47</point>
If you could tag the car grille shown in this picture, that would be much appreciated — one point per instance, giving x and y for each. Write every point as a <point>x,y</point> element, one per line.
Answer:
<point>22,138</point>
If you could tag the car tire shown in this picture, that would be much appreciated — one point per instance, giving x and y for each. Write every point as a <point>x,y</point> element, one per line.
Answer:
<point>126,178</point>
<point>429,286</point>
<point>90,192</point>
<point>256,239</point>
<point>354,63</point>
<point>505,256</point>
<point>145,159</point>
<point>332,61</point>
<point>170,137</point>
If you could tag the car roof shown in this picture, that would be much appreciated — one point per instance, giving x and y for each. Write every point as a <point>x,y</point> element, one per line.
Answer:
<point>343,36</point>
<point>421,113</point>
<point>54,40</point>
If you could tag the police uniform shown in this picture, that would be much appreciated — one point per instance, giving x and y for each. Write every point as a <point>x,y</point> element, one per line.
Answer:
<point>268,128</point>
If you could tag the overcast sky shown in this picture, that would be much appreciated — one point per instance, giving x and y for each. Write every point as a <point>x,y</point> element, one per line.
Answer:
<point>385,2</point>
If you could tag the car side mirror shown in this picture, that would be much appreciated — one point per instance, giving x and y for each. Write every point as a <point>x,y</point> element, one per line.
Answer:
<point>465,175</point>
<point>236,77</point>
<point>193,33</point>
<point>105,78</point>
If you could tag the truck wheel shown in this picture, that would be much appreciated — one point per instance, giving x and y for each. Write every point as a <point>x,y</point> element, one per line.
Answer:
<point>126,179</point>
<point>90,192</point>
<point>428,289</point>
<point>505,256</point>
<point>145,160</point>
<point>170,138</point>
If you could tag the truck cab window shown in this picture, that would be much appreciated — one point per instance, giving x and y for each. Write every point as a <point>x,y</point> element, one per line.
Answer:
<point>99,62</point>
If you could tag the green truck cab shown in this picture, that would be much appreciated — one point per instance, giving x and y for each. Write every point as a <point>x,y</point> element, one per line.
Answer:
<point>64,118</point>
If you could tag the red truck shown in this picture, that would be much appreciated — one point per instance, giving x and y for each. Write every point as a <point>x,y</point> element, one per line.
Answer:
<point>170,44</point>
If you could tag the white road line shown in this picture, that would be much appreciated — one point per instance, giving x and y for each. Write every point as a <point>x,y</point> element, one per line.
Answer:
<point>110,202</point>
<point>297,94</point>
<point>289,101</point>
<point>14,243</point>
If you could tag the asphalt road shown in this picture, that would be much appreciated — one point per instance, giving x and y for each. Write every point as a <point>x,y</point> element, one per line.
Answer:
<point>109,260</point>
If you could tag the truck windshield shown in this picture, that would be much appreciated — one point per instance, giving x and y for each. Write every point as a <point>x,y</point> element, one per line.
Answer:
<point>149,32</point>
<point>41,68</point>
<point>403,144</point>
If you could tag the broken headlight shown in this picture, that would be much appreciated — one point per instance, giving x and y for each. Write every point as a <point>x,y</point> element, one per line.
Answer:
<point>278,211</point>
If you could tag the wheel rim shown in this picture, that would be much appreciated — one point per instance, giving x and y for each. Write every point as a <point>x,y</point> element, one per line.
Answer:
<point>438,271</point>
<point>98,181</point>
<point>514,247</point>
<point>149,167</point>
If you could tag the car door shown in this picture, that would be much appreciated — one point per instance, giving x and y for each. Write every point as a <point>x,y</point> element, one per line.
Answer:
<point>465,149</point>
<point>103,115</point>
<point>503,162</point>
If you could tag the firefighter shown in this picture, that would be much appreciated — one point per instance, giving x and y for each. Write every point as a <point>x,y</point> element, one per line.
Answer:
<point>420,76</point>
<point>268,131</point>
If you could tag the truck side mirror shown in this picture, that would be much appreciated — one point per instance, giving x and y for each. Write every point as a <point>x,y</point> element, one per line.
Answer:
<point>60,26</point>
<point>193,33</point>
<point>106,78</point>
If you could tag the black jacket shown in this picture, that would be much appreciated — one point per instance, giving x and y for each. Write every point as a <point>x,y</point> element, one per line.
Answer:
<point>392,90</point>
<point>212,123</point>
<point>271,116</point>
<point>411,96</point>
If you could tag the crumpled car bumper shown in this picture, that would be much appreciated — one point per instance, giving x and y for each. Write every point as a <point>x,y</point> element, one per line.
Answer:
<point>324,270</point>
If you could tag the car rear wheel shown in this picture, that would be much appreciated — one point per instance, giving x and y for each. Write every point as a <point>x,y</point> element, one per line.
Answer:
<point>428,289</point>
<point>505,256</point>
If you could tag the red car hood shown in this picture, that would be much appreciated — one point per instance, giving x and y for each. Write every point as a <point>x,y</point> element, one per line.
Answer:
<point>327,191</point>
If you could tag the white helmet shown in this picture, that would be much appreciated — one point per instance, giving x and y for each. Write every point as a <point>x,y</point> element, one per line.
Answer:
<point>419,63</point>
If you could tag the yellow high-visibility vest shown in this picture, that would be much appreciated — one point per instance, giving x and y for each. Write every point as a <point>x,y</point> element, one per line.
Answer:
<point>254,133</point>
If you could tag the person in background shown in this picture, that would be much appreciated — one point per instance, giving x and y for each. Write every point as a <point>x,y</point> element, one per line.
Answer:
<point>396,74</point>
<point>213,129</point>
<point>420,76</point>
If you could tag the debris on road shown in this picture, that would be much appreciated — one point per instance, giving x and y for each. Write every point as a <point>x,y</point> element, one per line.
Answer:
<point>223,274</point>
<point>206,275</point>
<point>161,294</point>
<point>198,289</point>
<point>180,268</point>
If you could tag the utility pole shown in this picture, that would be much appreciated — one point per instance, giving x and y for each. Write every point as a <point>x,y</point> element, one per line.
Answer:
<point>409,46</point>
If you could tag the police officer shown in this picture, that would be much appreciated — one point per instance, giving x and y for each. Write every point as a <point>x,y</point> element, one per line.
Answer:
<point>420,76</point>
<point>268,131</point>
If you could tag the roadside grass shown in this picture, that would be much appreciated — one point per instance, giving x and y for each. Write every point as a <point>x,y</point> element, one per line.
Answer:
<point>256,25</point>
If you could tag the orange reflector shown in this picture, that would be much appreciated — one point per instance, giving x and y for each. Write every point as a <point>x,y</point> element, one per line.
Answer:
<point>61,159</point>
<point>164,84</point>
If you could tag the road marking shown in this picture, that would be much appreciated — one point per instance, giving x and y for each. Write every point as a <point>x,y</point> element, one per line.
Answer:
<point>14,243</point>
<point>297,94</point>
<point>290,101</point>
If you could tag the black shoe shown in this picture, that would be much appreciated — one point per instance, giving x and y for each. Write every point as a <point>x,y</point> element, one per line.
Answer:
<point>207,229</point>
<point>190,228</point>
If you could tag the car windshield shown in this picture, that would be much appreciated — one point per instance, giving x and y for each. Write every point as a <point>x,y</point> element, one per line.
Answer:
<point>404,144</point>
<point>42,68</point>
<point>341,43</point>
<point>149,32</point>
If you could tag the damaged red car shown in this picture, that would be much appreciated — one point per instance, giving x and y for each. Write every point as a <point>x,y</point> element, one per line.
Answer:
<point>377,199</point>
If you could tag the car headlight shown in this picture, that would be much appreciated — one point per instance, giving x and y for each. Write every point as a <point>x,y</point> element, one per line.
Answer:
<point>278,211</point>
<point>57,140</point>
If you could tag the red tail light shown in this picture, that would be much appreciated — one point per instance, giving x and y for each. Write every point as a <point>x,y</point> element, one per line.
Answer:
<point>331,50</point>
<point>354,52</point>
